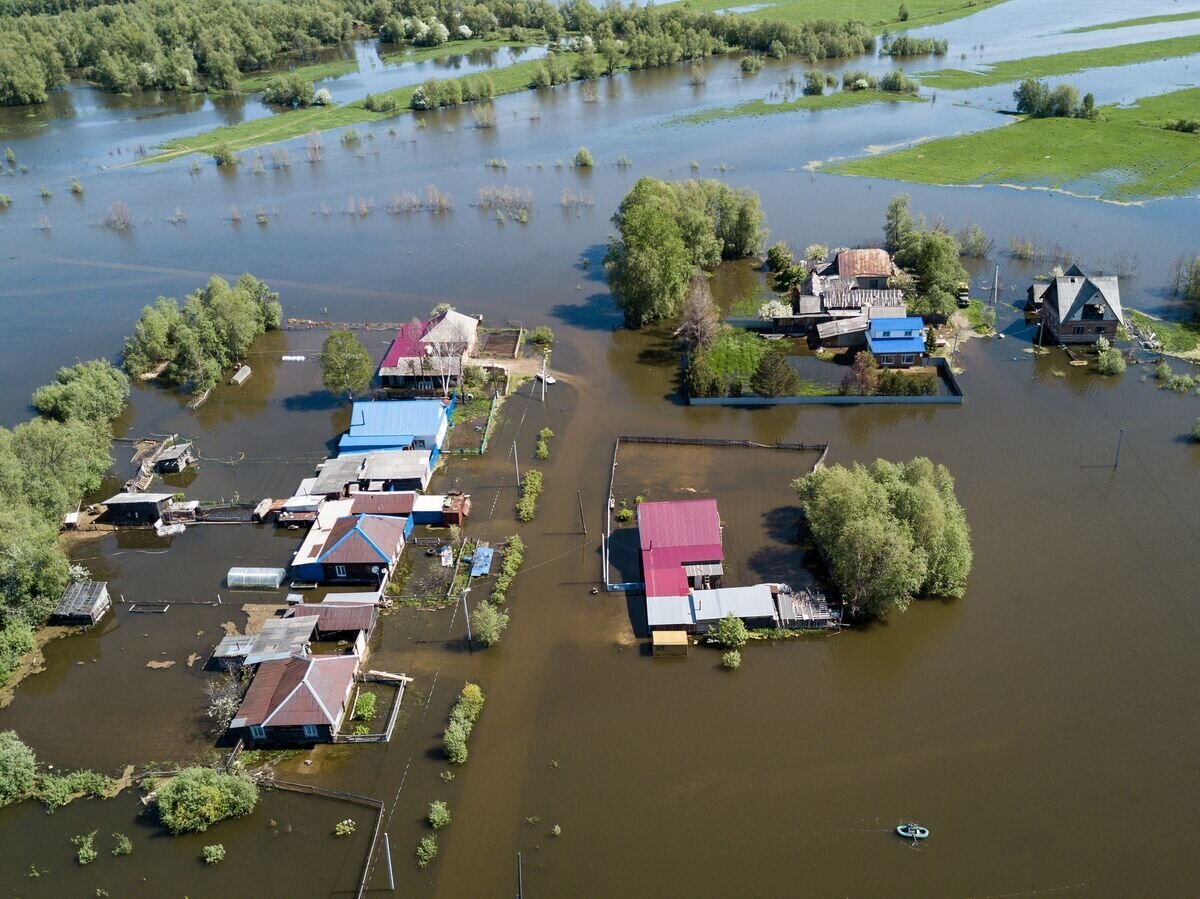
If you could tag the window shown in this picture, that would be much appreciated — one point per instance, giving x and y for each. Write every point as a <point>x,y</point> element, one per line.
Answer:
<point>418,444</point>
<point>339,570</point>
<point>310,732</point>
<point>1099,329</point>
<point>1078,329</point>
<point>257,732</point>
<point>906,359</point>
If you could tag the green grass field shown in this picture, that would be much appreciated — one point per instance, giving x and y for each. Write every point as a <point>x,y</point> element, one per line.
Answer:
<point>1176,337</point>
<point>1145,20</point>
<point>881,15</point>
<point>1062,63</point>
<point>1157,111</point>
<point>319,71</point>
<point>1122,156</point>
<point>838,100</point>
<point>296,123</point>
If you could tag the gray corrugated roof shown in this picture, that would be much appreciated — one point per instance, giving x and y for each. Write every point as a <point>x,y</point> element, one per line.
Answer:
<point>280,638</point>
<point>126,498</point>
<point>662,611</point>
<point>744,602</point>
<point>1072,291</point>
<point>82,598</point>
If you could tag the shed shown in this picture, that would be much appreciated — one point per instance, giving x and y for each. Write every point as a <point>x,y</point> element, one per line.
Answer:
<point>669,643</point>
<point>754,605</point>
<point>176,458</point>
<point>339,618</point>
<point>281,638</point>
<point>240,376</point>
<point>395,470</point>
<point>255,578</point>
<point>230,652</point>
<point>136,508</point>
<point>85,603</point>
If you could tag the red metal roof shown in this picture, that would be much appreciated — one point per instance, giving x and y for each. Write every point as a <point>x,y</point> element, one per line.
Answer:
<point>298,691</point>
<point>395,503</point>
<point>869,262</point>
<point>363,539</point>
<point>674,534</point>
<point>407,344</point>
<point>338,617</point>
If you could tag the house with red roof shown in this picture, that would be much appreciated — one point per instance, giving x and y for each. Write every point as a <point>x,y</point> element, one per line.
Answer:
<point>302,699</point>
<point>681,547</point>
<point>356,549</point>
<point>430,355</point>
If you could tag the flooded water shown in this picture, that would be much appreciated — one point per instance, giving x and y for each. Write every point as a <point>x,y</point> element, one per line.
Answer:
<point>1015,722</point>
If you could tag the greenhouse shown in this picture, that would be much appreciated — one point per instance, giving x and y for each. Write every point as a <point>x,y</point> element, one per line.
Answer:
<point>255,578</point>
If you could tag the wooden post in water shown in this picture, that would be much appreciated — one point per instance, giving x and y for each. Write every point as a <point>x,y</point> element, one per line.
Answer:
<point>520,879</point>
<point>1120,440</point>
<point>996,287</point>
<point>387,854</point>
<point>517,465</point>
<point>582,517</point>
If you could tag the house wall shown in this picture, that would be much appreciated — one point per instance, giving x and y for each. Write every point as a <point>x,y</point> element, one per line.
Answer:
<point>141,513</point>
<point>896,360</point>
<point>288,735</point>
<point>359,573</point>
<point>1092,330</point>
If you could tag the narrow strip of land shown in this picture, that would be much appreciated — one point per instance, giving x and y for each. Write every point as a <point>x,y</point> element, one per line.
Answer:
<point>1126,154</point>
<point>838,100</point>
<point>288,125</point>
<point>881,15</point>
<point>1145,20</point>
<point>1063,63</point>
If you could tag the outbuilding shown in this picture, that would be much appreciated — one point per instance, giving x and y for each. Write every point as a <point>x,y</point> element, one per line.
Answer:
<point>136,508</point>
<point>176,458</point>
<point>85,602</point>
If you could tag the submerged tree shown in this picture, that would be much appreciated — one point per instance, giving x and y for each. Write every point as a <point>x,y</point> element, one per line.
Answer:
<point>346,366</point>
<point>700,319</point>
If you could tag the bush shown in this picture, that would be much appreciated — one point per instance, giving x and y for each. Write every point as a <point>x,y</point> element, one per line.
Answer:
<point>779,257</point>
<point>624,514</point>
<point>55,791</point>
<point>18,768</point>
<point>729,632</point>
<point>350,136</point>
<point>77,187</point>
<point>731,660</point>
<point>427,850</point>
<point>196,798</point>
<point>1109,360</point>
<point>583,158</point>
<point>122,845</point>
<point>541,451</point>
<point>488,623</point>
<point>751,64</point>
<point>345,827</point>
<point>223,154</point>
<point>463,715</point>
<point>5,201</point>
<point>364,706</point>
<point>213,854</point>
<point>439,814</point>
<point>85,848</point>
<point>1196,431</point>
<point>814,84</point>
<point>541,336</point>
<point>531,489</point>
<point>898,83</point>
<point>859,80</point>
<point>16,639</point>
<point>510,564</point>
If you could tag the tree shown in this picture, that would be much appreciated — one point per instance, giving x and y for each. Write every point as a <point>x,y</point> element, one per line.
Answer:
<point>903,13</point>
<point>898,223</point>
<point>648,266</point>
<point>541,336</point>
<point>346,367</point>
<point>863,377</point>
<point>729,632</point>
<point>18,768</point>
<point>583,158</point>
<point>289,89</point>
<point>488,623</point>
<point>93,391</point>
<point>933,256</point>
<point>1031,96</point>
<point>774,377</point>
<point>224,154</point>
<point>773,309</point>
<point>779,257</point>
<point>1109,360</point>
<point>814,84</point>
<point>815,254</point>
<point>196,798</point>
<point>699,320</point>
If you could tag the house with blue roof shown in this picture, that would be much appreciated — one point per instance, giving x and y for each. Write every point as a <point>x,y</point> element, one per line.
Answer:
<point>355,549</point>
<point>896,342</point>
<point>397,425</point>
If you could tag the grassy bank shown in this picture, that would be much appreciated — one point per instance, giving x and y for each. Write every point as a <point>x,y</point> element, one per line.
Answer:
<point>838,100</point>
<point>1124,156</point>
<point>1145,20</point>
<point>318,71</point>
<point>296,123</point>
<point>1062,63</point>
<point>881,15</point>
<point>1176,337</point>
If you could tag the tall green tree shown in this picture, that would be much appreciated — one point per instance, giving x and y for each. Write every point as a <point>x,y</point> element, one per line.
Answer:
<point>346,366</point>
<point>774,377</point>
<point>93,391</point>
<point>648,266</point>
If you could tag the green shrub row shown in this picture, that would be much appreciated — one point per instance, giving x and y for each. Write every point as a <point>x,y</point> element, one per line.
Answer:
<point>510,564</point>
<point>462,719</point>
<point>531,489</point>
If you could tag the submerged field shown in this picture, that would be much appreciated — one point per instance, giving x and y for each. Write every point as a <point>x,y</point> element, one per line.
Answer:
<point>1125,155</point>
<point>1062,63</point>
<point>837,100</point>
<point>1144,20</point>
<point>883,15</point>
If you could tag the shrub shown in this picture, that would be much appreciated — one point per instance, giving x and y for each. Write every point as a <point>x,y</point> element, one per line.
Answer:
<point>462,719</point>
<point>729,632</point>
<point>18,768</point>
<point>488,623</point>
<point>859,80</point>
<point>898,83</point>
<point>118,217</point>
<point>779,257</point>
<point>1196,430</point>
<point>545,434</point>
<point>510,564</point>
<point>122,845</point>
<point>364,707</point>
<point>531,489</point>
<point>344,828</point>
<point>350,136</point>
<point>213,854</point>
<point>1109,360</point>
<point>439,814</point>
<point>624,514</point>
<point>973,242</point>
<point>814,84</point>
<point>541,451</point>
<point>541,336</point>
<point>583,158</point>
<point>55,791</point>
<point>751,64</point>
<point>5,201</point>
<point>427,850</point>
<point>85,848</point>
<point>731,659</point>
<point>196,798</point>
<point>77,187</point>
<point>223,154</point>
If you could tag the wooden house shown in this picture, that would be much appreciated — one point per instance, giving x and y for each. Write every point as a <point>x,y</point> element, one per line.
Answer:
<point>297,700</point>
<point>356,549</point>
<point>84,603</point>
<point>176,458</point>
<point>1079,308</point>
<point>136,508</point>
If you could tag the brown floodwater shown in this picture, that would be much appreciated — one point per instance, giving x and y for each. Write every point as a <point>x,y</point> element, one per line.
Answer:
<point>1043,726</point>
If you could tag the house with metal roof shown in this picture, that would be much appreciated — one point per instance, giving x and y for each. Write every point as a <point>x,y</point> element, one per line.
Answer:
<point>176,458</point>
<point>336,620</point>
<point>701,609</point>
<point>297,700</point>
<point>278,638</point>
<point>1080,308</point>
<point>85,602</point>
<point>356,549</point>
<point>430,355</point>
<point>136,508</point>
<point>680,545</point>
<point>896,342</point>
<point>397,425</point>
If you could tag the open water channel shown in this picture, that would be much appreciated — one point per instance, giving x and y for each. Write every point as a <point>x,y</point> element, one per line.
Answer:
<point>1044,726</point>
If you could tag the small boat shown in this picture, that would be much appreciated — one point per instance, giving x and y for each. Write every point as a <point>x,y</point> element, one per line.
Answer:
<point>549,379</point>
<point>912,831</point>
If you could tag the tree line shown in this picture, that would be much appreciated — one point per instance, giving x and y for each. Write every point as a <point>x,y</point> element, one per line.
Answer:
<point>210,43</point>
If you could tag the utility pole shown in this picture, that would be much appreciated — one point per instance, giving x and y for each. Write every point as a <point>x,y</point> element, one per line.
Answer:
<point>517,464</point>
<point>543,376</point>
<point>996,287</point>
<point>1120,440</point>
<point>387,854</point>
<point>582,517</point>
<point>467,618</point>
<point>520,879</point>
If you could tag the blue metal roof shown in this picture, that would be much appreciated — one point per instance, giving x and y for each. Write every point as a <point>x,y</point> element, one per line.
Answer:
<point>389,418</point>
<point>893,345</point>
<point>481,561</point>
<point>896,326</point>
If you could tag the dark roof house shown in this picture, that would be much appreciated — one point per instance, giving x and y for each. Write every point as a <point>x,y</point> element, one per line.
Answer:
<point>85,602</point>
<point>297,700</point>
<point>1079,308</point>
<point>339,618</point>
